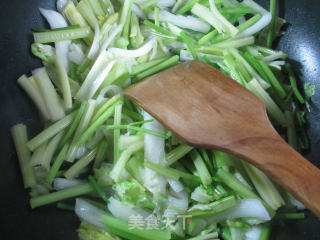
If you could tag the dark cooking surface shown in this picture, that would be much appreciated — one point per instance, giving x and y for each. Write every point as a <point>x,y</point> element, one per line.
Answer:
<point>17,18</point>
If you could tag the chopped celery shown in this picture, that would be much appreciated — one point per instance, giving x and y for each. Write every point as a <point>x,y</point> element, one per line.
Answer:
<point>177,153</point>
<point>122,228</point>
<point>235,43</point>
<point>83,124</point>
<point>50,131</point>
<point>189,43</point>
<point>123,159</point>
<point>271,33</point>
<point>116,132</point>
<point>266,189</point>
<point>96,124</point>
<point>76,168</point>
<point>101,154</point>
<point>291,130</point>
<point>64,81</point>
<point>233,183</point>
<point>293,83</point>
<point>74,125</point>
<point>272,108</point>
<point>215,207</point>
<point>187,7</point>
<point>145,66</point>
<point>49,94</point>
<point>162,66</point>
<point>290,216</point>
<point>139,129</point>
<point>55,36</point>
<point>171,172</point>
<point>57,164</point>
<point>35,94</point>
<point>20,138</point>
<point>60,195</point>
<point>201,168</point>
<point>98,189</point>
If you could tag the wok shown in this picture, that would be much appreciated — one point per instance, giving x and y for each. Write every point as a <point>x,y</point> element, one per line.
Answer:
<point>18,221</point>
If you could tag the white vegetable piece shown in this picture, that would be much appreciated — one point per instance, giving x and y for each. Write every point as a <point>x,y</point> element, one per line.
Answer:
<point>56,20</point>
<point>246,208</point>
<point>261,24</point>
<point>124,212</point>
<point>62,183</point>
<point>89,213</point>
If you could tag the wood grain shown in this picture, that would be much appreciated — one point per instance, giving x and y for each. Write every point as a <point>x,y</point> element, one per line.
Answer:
<point>206,108</point>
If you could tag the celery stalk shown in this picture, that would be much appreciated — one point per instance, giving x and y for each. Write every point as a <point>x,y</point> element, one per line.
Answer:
<point>55,36</point>
<point>74,125</point>
<point>57,164</point>
<point>123,159</point>
<point>270,37</point>
<point>49,94</point>
<point>162,66</point>
<point>215,207</point>
<point>96,124</point>
<point>60,195</point>
<point>76,168</point>
<point>50,131</point>
<point>116,132</point>
<point>19,136</point>
<point>177,153</point>
<point>35,95</point>
<point>64,81</point>
<point>121,228</point>
<point>266,189</point>
<point>201,168</point>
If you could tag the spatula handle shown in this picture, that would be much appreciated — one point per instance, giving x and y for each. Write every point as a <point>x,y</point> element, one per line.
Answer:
<point>286,166</point>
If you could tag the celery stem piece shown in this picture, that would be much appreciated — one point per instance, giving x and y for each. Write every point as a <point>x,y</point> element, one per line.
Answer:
<point>145,66</point>
<point>215,207</point>
<point>49,94</point>
<point>139,129</point>
<point>187,7</point>
<point>171,172</point>
<point>50,132</point>
<point>61,195</point>
<point>162,66</point>
<point>123,159</point>
<point>293,83</point>
<point>74,125</point>
<point>76,168</point>
<point>96,124</point>
<point>208,37</point>
<point>201,168</point>
<point>291,130</point>
<point>177,153</point>
<point>57,164</point>
<point>290,215</point>
<point>19,135</point>
<point>35,95</point>
<point>189,43</point>
<point>55,36</point>
<point>265,231</point>
<point>64,82</point>
<point>122,228</point>
<point>270,37</point>
<point>116,132</point>
<point>233,183</point>
<point>101,154</point>
<point>98,189</point>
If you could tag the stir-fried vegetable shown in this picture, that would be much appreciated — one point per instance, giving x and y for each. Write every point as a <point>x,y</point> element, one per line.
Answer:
<point>141,181</point>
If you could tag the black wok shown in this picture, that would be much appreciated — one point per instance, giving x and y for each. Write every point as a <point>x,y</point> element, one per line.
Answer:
<point>18,221</point>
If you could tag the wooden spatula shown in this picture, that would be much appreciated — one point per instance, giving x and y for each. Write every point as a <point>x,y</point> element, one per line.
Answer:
<point>207,109</point>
